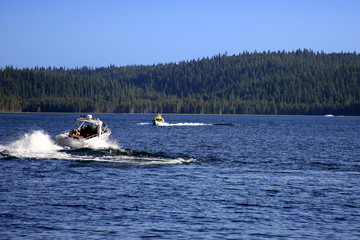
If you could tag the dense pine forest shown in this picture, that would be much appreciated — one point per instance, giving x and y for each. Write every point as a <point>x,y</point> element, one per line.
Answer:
<point>296,82</point>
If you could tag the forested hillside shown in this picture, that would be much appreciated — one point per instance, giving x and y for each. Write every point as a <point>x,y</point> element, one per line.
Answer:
<point>297,82</point>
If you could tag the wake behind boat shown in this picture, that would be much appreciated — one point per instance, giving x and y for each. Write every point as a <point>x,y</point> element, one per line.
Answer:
<point>86,131</point>
<point>159,120</point>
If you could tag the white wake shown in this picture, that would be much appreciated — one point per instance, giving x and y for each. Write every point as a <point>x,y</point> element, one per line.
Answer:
<point>39,145</point>
<point>166,124</point>
<point>36,144</point>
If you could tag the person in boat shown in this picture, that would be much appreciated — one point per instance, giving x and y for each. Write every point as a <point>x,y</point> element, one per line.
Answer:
<point>76,134</point>
<point>158,118</point>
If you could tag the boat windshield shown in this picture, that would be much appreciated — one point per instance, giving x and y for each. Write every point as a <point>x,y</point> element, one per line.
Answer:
<point>87,127</point>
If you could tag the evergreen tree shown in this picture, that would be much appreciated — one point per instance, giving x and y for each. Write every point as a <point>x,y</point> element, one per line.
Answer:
<point>296,82</point>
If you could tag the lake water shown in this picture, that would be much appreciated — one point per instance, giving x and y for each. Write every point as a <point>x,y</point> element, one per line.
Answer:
<point>199,177</point>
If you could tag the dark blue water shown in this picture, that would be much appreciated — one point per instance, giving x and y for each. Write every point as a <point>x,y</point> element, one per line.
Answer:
<point>200,177</point>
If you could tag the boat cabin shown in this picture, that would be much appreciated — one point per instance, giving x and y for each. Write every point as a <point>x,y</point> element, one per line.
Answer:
<point>87,127</point>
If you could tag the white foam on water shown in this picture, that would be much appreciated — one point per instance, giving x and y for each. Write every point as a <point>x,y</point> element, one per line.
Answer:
<point>98,144</point>
<point>36,144</point>
<point>39,145</point>
<point>143,123</point>
<point>183,124</point>
<point>136,161</point>
<point>166,124</point>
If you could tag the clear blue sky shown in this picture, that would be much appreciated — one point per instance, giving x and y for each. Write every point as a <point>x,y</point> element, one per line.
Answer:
<point>76,33</point>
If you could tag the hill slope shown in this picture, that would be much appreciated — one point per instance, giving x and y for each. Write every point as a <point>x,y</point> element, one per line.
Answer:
<point>298,82</point>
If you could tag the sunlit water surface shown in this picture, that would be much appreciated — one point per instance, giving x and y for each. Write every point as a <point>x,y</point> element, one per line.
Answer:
<point>196,177</point>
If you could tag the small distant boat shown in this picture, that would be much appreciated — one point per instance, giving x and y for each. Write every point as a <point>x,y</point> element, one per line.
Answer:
<point>86,131</point>
<point>159,120</point>
<point>329,115</point>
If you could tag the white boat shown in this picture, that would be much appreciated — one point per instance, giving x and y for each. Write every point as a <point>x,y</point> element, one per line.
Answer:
<point>86,132</point>
<point>158,120</point>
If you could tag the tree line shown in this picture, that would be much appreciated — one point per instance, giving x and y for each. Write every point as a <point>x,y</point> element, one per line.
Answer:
<point>296,82</point>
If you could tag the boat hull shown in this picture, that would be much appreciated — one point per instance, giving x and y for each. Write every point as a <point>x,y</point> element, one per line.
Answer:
<point>158,122</point>
<point>65,140</point>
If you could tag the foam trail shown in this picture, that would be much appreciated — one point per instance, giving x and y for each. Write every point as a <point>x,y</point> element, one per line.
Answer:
<point>135,160</point>
<point>39,145</point>
<point>143,123</point>
<point>36,144</point>
<point>101,144</point>
<point>184,124</point>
